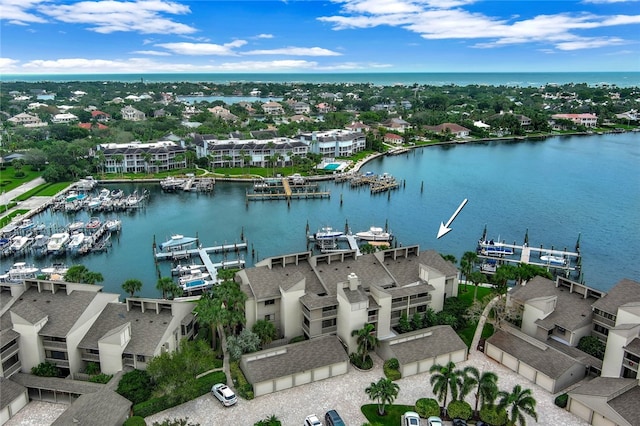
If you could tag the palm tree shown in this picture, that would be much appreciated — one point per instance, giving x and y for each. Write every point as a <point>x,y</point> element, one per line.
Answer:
<point>503,274</point>
<point>384,391</point>
<point>442,379</point>
<point>366,339</point>
<point>80,274</point>
<point>465,382</point>
<point>476,278</point>
<point>519,402</point>
<point>265,330</point>
<point>486,386</point>
<point>164,285</point>
<point>119,159</point>
<point>469,259</point>
<point>132,285</point>
<point>210,311</point>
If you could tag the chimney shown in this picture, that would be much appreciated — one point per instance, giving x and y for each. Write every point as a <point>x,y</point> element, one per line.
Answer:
<point>353,281</point>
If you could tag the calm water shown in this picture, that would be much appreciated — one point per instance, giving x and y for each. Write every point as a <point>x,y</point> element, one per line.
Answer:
<point>522,79</point>
<point>557,189</point>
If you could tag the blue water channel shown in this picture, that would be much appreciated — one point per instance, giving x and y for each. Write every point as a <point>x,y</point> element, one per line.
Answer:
<point>556,189</point>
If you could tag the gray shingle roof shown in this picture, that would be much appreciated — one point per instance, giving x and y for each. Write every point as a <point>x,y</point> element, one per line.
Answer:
<point>303,356</point>
<point>627,405</point>
<point>633,346</point>
<point>100,408</point>
<point>56,384</point>
<point>548,360</point>
<point>63,309</point>
<point>10,391</point>
<point>442,340</point>
<point>147,328</point>
<point>603,386</point>
<point>624,292</point>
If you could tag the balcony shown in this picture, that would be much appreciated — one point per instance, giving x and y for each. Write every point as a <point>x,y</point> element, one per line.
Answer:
<point>372,318</point>
<point>10,350</point>
<point>331,329</point>
<point>331,313</point>
<point>8,372</point>
<point>631,365</point>
<point>51,344</point>
<point>86,356</point>
<point>63,363</point>
<point>603,320</point>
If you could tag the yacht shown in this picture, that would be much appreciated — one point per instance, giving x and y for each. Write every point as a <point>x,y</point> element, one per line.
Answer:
<point>57,242</point>
<point>374,234</point>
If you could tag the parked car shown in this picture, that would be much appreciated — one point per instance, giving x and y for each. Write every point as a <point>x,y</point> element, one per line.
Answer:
<point>459,422</point>
<point>224,394</point>
<point>312,420</point>
<point>411,418</point>
<point>434,421</point>
<point>332,418</point>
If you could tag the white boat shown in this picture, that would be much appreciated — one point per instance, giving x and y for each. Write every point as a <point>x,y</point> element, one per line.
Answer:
<point>26,224</point>
<point>75,241</point>
<point>117,193</point>
<point>20,242</point>
<point>86,184</point>
<point>76,226</point>
<point>57,242</point>
<point>178,242</point>
<point>19,272</point>
<point>93,224</point>
<point>327,233</point>
<point>113,225</point>
<point>491,248</point>
<point>55,269</point>
<point>375,234</point>
<point>186,269</point>
<point>196,281</point>
<point>553,260</point>
<point>40,241</point>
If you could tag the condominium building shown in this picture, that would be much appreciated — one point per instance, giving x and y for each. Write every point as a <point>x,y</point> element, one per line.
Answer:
<point>334,143</point>
<point>138,157</point>
<point>336,293</point>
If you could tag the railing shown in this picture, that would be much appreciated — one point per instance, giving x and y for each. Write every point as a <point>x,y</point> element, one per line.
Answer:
<point>58,362</point>
<point>12,369</point>
<point>372,318</point>
<point>10,351</point>
<point>420,300</point>
<point>330,329</point>
<point>604,320</point>
<point>86,356</point>
<point>399,304</point>
<point>52,344</point>
<point>305,328</point>
<point>599,335</point>
<point>632,365</point>
<point>331,313</point>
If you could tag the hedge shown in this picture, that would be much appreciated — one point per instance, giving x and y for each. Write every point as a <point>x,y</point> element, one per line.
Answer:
<point>135,421</point>
<point>427,407</point>
<point>391,369</point>
<point>459,410</point>
<point>561,400</point>
<point>491,415</point>
<point>243,387</point>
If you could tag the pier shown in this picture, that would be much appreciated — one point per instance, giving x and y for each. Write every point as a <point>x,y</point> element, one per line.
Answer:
<point>282,189</point>
<point>182,254</point>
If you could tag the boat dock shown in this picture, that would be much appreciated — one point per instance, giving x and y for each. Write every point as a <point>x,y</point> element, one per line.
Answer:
<point>382,183</point>
<point>282,189</point>
<point>181,254</point>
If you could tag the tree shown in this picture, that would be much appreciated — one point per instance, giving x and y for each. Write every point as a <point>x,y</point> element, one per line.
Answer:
<point>443,379</point>
<point>476,278</point>
<point>486,385</point>
<point>132,286</point>
<point>246,342</point>
<point>366,339</point>
<point>518,403</point>
<point>168,288</point>
<point>593,346</point>
<point>384,391</point>
<point>80,274</point>
<point>209,311</point>
<point>265,330</point>
<point>469,259</point>
<point>503,274</point>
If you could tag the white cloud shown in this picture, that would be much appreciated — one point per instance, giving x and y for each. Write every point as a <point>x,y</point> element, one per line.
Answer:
<point>145,16</point>
<point>609,1</point>
<point>8,64</point>
<point>437,20</point>
<point>151,52</point>
<point>185,48</point>
<point>264,36</point>
<point>295,51</point>
<point>19,12</point>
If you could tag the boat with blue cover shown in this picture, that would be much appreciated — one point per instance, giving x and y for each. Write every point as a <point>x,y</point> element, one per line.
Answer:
<point>178,242</point>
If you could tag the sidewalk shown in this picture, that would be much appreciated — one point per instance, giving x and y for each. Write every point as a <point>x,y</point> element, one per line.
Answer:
<point>30,204</point>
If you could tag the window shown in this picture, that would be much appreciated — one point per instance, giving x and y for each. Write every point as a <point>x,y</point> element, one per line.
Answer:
<point>269,317</point>
<point>270,302</point>
<point>600,329</point>
<point>329,323</point>
<point>140,358</point>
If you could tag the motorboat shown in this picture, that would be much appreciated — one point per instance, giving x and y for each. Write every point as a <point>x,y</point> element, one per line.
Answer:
<point>113,225</point>
<point>491,248</point>
<point>25,225</point>
<point>55,269</point>
<point>553,260</point>
<point>297,179</point>
<point>327,233</point>
<point>57,242</point>
<point>186,269</point>
<point>86,184</point>
<point>196,281</point>
<point>178,242</point>
<point>19,243</point>
<point>40,241</point>
<point>93,224</point>
<point>171,183</point>
<point>20,271</point>
<point>117,193</point>
<point>75,241</point>
<point>375,234</point>
<point>76,226</point>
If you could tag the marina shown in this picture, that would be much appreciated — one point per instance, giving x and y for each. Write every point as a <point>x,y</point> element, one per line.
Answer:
<point>294,187</point>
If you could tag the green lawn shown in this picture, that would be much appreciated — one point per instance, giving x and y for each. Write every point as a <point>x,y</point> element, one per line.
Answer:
<point>44,190</point>
<point>392,417</point>
<point>9,181</point>
<point>466,334</point>
<point>8,218</point>
<point>465,292</point>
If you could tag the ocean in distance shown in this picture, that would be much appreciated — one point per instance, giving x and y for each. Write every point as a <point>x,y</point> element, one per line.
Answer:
<point>556,189</point>
<point>520,79</point>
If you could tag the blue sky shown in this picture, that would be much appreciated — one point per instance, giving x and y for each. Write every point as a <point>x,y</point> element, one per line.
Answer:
<point>160,36</point>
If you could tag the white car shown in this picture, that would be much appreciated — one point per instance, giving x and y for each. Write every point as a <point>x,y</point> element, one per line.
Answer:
<point>312,420</point>
<point>411,418</point>
<point>224,394</point>
<point>434,421</point>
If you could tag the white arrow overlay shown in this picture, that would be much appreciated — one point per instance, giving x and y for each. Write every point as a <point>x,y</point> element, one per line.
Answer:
<point>444,229</point>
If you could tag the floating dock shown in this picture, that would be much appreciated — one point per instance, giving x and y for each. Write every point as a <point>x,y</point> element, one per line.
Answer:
<point>282,189</point>
<point>181,254</point>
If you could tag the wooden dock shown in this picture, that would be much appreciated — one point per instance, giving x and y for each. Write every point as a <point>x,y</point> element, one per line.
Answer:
<point>288,192</point>
<point>181,254</point>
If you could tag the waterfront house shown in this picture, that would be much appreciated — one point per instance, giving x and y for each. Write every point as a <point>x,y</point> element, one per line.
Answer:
<point>301,108</point>
<point>336,293</point>
<point>455,130</point>
<point>393,139</point>
<point>586,120</point>
<point>223,113</point>
<point>396,124</point>
<point>272,108</point>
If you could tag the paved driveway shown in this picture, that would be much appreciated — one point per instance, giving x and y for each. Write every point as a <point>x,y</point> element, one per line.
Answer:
<point>344,393</point>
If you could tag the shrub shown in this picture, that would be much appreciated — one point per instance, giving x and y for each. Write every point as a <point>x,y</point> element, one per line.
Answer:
<point>244,388</point>
<point>297,339</point>
<point>135,386</point>
<point>593,346</point>
<point>45,369</point>
<point>92,368</point>
<point>176,422</point>
<point>561,400</point>
<point>269,421</point>
<point>493,416</point>
<point>427,407</point>
<point>356,360</point>
<point>135,421</point>
<point>152,406</point>
<point>101,378</point>
<point>459,410</point>
<point>391,369</point>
